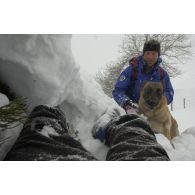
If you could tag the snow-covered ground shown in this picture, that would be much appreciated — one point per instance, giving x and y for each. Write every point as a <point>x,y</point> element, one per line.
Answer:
<point>42,68</point>
<point>181,147</point>
<point>185,118</point>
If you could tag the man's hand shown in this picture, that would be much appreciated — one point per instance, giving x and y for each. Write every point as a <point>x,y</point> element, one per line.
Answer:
<point>131,111</point>
<point>130,107</point>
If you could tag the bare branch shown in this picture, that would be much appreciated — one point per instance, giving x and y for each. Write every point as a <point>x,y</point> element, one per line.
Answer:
<point>175,49</point>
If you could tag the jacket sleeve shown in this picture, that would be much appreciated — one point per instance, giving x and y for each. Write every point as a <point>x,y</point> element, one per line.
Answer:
<point>168,90</point>
<point>121,87</point>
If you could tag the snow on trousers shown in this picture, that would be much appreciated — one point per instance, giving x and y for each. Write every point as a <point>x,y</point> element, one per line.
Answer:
<point>131,138</point>
<point>128,137</point>
<point>34,143</point>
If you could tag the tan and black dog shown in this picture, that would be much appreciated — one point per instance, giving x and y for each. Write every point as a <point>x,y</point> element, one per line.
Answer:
<point>153,104</point>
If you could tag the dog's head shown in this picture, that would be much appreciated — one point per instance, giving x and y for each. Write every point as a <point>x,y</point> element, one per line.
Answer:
<point>152,93</point>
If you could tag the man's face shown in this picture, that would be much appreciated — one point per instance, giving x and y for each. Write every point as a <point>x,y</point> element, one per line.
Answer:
<point>150,57</point>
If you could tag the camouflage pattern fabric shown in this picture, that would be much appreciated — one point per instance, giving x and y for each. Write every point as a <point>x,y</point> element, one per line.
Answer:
<point>131,138</point>
<point>45,137</point>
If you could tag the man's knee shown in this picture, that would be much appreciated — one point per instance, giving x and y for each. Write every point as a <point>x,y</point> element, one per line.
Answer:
<point>43,115</point>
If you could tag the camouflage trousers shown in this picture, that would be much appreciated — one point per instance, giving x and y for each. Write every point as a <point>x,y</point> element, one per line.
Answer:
<point>45,137</point>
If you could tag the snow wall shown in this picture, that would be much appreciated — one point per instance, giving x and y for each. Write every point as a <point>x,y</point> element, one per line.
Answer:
<point>42,68</point>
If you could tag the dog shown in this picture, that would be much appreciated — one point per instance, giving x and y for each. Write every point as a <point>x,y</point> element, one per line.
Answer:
<point>153,104</point>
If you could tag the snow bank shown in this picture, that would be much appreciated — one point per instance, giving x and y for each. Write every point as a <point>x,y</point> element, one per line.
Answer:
<point>181,147</point>
<point>42,68</point>
<point>3,100</point>
<point>39,67</point>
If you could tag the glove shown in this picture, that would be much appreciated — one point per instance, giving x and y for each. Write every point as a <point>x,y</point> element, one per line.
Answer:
<point>130,107</point>
<point>131,111</point>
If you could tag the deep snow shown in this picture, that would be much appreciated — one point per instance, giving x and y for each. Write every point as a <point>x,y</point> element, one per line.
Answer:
<point>42,68</point>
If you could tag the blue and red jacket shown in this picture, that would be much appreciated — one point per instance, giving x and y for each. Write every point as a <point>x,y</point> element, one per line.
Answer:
<point>127,88</point>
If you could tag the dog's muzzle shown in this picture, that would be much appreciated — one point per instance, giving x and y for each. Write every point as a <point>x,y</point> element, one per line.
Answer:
<point>152,104</point>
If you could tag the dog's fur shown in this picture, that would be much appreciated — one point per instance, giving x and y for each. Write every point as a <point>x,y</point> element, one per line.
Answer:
<point>153,104</point>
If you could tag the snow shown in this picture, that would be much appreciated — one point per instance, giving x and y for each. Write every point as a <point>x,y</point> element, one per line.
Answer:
<point>45,72</point>
<point>182,147</point>
<point>185,118</point>
<point>43,69</point>
<point>47,131</point>
<point>3,100</point>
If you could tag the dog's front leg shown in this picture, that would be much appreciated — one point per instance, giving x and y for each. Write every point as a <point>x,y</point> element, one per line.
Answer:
<point>167,133</point>
<point>167,130</point>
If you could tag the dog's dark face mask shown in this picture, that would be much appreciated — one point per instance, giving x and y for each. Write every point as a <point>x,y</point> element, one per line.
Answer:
<point>152,95</point>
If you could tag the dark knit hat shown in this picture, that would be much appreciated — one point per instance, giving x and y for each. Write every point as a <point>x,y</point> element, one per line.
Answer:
<point>152,45</point>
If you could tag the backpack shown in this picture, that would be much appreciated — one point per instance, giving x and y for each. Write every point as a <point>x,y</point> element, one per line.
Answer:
<point>133,64</point>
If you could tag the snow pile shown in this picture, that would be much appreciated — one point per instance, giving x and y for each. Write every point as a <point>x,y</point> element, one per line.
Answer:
<point>42,68</point>
<point>39,67</point>
<point>45,72</point>
<point>3,100</point>
<point>181,147</point>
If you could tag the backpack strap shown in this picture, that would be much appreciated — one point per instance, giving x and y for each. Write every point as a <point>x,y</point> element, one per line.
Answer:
<point>133,64</point>
<point>162,73</point>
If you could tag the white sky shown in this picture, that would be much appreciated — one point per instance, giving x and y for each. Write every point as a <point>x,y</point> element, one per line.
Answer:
<point>93,52</point>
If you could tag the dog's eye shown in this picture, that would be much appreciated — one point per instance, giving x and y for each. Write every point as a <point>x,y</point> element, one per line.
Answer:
<point>148,90</point>
<point>159,92</point>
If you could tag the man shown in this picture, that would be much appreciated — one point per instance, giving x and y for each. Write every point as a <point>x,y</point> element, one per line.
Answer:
<point>142,68</point>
